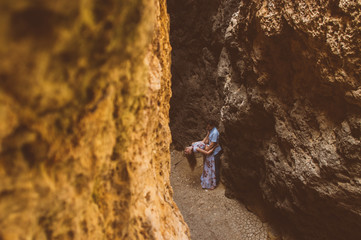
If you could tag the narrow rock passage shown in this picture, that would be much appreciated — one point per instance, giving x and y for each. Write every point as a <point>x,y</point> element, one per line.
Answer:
<point>209,214</point>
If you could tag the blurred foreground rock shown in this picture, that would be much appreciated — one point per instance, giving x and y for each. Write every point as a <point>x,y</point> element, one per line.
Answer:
<point>84,136</point>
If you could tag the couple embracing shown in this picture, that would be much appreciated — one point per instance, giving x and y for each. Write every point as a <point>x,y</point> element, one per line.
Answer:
<point>211,151</point>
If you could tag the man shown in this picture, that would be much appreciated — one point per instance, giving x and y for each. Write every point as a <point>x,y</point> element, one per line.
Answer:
<point>214,141</point>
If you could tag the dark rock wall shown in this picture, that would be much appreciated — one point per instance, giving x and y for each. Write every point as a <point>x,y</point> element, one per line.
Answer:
<point>288,79</point>
<point>197,36</point>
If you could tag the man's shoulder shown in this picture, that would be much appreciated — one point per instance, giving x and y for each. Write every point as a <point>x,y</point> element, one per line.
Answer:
<point>215,130</point>
<point>214,135</point>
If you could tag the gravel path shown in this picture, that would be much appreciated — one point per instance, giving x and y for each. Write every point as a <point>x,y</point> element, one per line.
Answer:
<point>209,214</point>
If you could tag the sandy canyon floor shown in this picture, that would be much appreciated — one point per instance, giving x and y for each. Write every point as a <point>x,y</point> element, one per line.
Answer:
<point>208,213</point>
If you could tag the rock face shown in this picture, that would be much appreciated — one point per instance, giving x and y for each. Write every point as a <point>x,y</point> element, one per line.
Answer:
<point>195,53</point>
<point>84,136</point>
<point>287,77</point>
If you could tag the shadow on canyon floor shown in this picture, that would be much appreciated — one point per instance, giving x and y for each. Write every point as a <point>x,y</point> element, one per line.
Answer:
<point>209,214</point>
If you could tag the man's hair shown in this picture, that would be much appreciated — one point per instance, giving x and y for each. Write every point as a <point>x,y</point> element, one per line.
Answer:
<point>212,122</point>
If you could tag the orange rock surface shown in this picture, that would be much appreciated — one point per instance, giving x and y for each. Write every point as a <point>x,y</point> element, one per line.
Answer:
<point>84,136</point>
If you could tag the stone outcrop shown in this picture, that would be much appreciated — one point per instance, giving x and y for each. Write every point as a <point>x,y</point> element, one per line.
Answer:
<point>286,81</point>
<point>84,136</point>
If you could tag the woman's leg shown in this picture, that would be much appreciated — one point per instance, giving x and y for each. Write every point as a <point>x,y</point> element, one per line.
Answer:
<point>208,178</point>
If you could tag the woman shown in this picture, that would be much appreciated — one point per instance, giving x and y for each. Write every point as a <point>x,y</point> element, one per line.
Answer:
<point>208,178</point>
<point>199,146</point>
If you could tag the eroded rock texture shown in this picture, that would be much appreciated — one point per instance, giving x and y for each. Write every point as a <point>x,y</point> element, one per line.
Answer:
<point>84,101</point>
<point>288,77</point>
<point>195,51</point>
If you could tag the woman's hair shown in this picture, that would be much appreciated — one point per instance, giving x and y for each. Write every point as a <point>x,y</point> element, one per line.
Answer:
<point>192,161</point>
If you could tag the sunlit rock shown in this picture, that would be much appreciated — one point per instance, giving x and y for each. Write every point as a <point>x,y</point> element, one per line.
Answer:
<point>84,101</point>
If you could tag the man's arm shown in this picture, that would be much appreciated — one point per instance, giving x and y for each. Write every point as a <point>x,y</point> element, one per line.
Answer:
<point>206,152</point>
<point>211,146</point>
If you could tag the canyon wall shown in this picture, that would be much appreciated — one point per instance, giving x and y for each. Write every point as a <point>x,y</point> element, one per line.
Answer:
<point>284,77</point>
<point>195,51</point>
<point>84,136</point>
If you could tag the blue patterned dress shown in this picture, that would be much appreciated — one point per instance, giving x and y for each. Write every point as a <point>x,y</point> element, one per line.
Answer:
<point>208,178</point>
<point>199,144</point>
<point>209,175</point>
